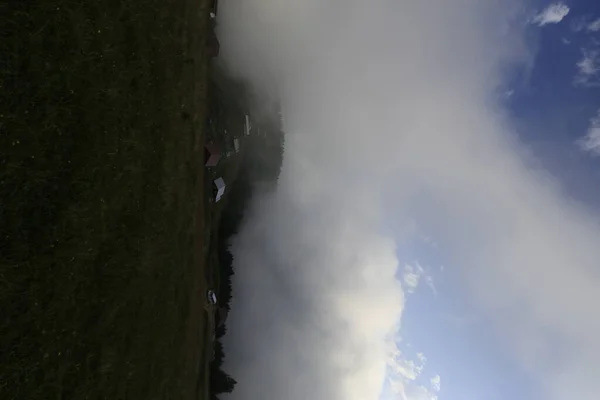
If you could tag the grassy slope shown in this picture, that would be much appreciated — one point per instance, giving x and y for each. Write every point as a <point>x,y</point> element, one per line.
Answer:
<point>101,192</point>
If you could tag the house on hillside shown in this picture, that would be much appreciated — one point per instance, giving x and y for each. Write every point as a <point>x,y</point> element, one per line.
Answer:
<point>212,155</point>
<point>247,126</point>
<point>218,189</point>
<point>211,297</point>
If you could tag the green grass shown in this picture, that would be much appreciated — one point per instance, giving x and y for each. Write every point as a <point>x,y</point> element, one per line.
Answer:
<point>101,278</point>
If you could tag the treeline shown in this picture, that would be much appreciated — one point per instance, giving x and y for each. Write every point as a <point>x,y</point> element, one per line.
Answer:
<point>261,161</point>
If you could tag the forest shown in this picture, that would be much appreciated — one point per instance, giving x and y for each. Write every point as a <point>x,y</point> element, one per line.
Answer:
<point>260,166</point>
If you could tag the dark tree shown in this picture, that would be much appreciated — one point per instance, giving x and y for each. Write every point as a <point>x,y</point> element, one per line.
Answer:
<point>220,382</point>
<point>221,331</point>
<point>229,384</point>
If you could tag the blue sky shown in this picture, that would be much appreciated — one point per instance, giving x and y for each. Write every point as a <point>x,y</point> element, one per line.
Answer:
<point>551,112</point>
<point>458,341</point>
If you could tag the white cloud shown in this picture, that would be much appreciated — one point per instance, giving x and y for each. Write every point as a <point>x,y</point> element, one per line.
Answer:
<point>412,274</point>
<point>588,68</point>
<point>404,368</point>
<point>585,23</point>
<point>430,284</point>
<point>395,101</point>
<point>591,141</point>
<point>421,393</point>
<point>404,373</point>
<point>411,277</point>
<point>552,14</point>
<point>594,26</point>
<point>436,383</point>
<point>588,64</point>
<point>508,93</point>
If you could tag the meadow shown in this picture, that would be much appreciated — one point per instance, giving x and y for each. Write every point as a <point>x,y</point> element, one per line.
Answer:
<point>102,261</point>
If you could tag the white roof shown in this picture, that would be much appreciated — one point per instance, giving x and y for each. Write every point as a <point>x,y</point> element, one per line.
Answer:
<point>247,125</point>
<point>236,144</point>
<point>220,184</point>
<point>212,297</point>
